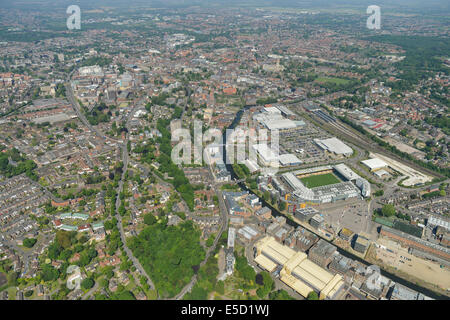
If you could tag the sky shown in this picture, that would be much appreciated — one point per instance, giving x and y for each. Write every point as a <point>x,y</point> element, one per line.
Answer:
<point>399,4</point>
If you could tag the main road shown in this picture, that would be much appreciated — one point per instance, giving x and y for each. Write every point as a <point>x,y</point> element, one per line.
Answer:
<point>70,96</point>
<point>76,107</point>
<point>125,160</point>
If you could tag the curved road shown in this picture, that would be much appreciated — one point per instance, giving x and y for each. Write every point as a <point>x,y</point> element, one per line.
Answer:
<point>70,96</point>
<point>125,159</point>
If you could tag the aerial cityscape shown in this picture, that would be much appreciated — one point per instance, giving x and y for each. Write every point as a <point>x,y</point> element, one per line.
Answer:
<point>224,150</point>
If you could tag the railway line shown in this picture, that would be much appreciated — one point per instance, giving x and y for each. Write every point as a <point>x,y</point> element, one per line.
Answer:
<point>354,137</point>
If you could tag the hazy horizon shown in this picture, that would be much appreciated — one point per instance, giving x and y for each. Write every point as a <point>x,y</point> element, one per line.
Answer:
<point>407,4</point>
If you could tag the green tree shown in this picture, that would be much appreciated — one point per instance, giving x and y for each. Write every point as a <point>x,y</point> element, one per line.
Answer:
<point>149,219</point>
<point>87,283</point>
<point>266,284</point>
<point>220,287</point>
<point>198,293</point>
<point>169,254</point>
<point>28,293</point>
<point>388,210</point>
<point>123,295</point>
<point>64,238</point>
<point>29,242</point>
<point>244,269</point>
<point>280,295</point>
<point>49,273</point>
<point>312,296</point>
<point>12,279</point>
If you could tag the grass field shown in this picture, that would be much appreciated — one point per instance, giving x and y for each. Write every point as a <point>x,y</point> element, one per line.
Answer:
<point>320,180</point>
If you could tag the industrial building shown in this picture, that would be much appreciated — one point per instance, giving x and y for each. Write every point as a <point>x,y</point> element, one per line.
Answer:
<point>272,118</point>
<point>298,272</point>
<point>273,228</point>
<point>288,159</point>
<point>301,239</point>
<point>316,221</point>
<point>305,214</point>
<point>381,173</point>
<point>334,145</point>
<point>361,243</point>
<point>248,233</point>
<point>281,234</point>
<point>400,292</point>
<point>322,253</point>
<point>374,164</point>
<point>231,237</point>
<point>410,241</point>
<point>341,265</point>
<point>285,111</point>
<point>346,234</point>
<point>263,213</point>
<point>267,156</point>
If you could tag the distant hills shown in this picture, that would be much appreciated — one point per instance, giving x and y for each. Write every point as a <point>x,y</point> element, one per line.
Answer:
<point>438,6</point>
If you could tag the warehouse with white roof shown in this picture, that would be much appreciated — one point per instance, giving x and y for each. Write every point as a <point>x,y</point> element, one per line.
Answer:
<point>268,157</point>
<point>272,119</point>
<point>334,145</point>
<point>374,164</point>
<point>289,160</point>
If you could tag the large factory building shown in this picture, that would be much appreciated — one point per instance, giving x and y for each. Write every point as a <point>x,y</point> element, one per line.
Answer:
<point>297,271</point>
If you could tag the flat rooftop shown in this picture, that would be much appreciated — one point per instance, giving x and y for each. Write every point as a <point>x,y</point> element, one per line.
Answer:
<point>334,145</point>
<point>374,163</point>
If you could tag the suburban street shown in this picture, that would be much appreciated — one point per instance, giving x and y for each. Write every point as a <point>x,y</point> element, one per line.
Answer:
<point>125,159</point>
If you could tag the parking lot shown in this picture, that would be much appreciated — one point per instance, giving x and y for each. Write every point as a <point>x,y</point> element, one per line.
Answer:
<point>299,142</point>
<point>352,214</point>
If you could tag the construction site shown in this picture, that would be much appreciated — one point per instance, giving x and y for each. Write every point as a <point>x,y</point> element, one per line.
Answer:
<point>392,254</point>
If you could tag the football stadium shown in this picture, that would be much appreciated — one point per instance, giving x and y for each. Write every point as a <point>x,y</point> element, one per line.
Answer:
<point>324,184</point>
<point>314,181</point>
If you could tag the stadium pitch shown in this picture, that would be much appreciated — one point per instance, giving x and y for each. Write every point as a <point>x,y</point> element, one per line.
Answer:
<point>319,180</point>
